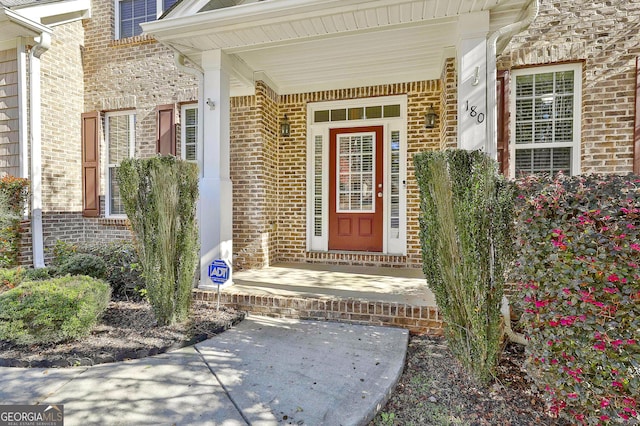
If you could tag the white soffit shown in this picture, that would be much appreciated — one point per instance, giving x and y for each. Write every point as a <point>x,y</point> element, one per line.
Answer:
<point>307,45</point>
<point>13,25</point>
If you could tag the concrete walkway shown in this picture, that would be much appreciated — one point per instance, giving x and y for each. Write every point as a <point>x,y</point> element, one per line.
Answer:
<point>263,372</point>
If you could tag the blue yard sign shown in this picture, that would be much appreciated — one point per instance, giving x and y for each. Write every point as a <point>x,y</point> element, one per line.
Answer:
<point>219,271</point>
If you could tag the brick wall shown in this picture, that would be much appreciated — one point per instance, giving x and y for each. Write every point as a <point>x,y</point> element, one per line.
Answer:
<point>9,142</point>
<point>135,74</point>
<point>449,105</point>
<point>292,166</point>
<point>605,36</point>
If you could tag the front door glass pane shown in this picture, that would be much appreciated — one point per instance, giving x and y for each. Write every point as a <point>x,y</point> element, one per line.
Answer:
<point>356,172</point>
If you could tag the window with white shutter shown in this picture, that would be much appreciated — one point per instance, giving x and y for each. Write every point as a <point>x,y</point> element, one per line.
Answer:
<point>545,131</point>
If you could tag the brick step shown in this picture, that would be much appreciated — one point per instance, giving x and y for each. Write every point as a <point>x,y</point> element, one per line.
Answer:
<point>416,319</point>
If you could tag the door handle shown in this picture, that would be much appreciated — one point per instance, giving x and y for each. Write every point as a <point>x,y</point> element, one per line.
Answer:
<point>380,194</point>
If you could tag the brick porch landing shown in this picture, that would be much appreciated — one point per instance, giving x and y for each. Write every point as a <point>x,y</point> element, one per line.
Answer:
<point>364,295</point>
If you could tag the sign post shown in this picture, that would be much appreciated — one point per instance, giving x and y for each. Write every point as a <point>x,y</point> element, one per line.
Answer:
<point>219,272</point>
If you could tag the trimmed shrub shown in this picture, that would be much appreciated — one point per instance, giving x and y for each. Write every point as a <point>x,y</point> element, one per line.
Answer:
<point>10,278</point>
<point>13,195</point>
<point>159,196</point>
<point>62,250</point>
<point>578,251</point>
<point>123,269</point>
<point>83,264</point>
<point>466,216</point>
<point>52,311</point>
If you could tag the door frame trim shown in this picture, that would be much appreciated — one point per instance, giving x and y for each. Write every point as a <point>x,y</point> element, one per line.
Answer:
<point>391,246</point>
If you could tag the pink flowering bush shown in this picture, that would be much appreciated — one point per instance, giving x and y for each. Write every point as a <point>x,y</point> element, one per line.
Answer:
<point>578,257</point>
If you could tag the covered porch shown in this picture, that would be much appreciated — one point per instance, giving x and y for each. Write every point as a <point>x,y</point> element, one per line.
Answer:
<point>353,80</point>
<point>368,295</point>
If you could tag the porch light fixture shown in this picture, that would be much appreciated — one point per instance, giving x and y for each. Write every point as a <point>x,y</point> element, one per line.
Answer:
<point>285,127</point>
<point>430,118</point>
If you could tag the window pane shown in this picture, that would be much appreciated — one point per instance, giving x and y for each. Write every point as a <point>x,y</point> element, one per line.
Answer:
<point>392,110</point>
<point>374,112</point>
<point>356,113</point>
<point>321,116</point>
<point>564,82</point>
<point>524,86</point>
<point>356,173</point>
<point>115,201</point>
<point>133,13</point>
<point>338,114</point>
<point>317,193</point>
<point>544,84</point>
<point>548,161</point>
<point>166,4</point>
<point>190,123</point>
<point>119,136</point>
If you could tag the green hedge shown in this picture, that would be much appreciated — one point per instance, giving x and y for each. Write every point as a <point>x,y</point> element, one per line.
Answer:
<point>578,251</point>
<point>51,311</point>
<point>466,216</point>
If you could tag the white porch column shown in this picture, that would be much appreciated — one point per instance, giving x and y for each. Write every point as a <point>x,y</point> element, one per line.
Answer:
<point>472,80</point>
<point>216,209</point>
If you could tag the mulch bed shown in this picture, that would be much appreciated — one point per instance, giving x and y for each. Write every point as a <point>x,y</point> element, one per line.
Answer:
<point>434,390</point>
<point>128,330</point>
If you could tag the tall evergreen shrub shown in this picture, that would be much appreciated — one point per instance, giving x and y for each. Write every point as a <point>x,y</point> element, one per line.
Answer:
<point>13,197</point>
<point>466,213</point>
<point>159,196</point>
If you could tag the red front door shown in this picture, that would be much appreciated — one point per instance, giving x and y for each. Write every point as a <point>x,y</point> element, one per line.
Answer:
<point>356,189</point>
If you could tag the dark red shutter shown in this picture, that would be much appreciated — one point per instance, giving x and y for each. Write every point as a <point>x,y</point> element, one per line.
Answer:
<point>90,165</point>
<point>166,137</point>
<point>502,90</point>
<point>636,127</point>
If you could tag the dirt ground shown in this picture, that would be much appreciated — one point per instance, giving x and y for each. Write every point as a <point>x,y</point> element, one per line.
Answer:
<point>433,390</point>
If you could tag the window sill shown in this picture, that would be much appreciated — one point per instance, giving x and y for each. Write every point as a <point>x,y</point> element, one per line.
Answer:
<point>113,221</point>
<point>132,41</point>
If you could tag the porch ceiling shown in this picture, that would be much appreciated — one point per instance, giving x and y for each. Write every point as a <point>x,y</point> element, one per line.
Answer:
<point>307,45</point>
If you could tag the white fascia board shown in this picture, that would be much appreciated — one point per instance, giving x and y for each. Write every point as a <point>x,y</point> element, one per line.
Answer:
<point>57,13</point>
<point>251,15</point>
<point>33,29</point>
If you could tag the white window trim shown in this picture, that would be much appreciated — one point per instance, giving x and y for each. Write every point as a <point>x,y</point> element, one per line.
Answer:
<point>183,132</point>
<point>577,123</point>
<point>107,165</point>
<point>391,246</point>
<point>159,12</point>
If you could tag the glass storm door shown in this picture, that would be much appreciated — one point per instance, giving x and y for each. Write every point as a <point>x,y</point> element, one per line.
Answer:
<point>356,189</point>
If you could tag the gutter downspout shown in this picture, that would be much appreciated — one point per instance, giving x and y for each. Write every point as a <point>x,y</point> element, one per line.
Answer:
<point>23,112</point>
<point>492,75</point>
<point>35,123</point>
<point>492,125</point>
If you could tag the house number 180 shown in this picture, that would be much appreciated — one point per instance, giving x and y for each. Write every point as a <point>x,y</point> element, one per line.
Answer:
<point>473,112</point>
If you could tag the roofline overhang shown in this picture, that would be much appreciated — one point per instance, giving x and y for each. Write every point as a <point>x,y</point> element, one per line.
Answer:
<point>33,29</point>
<point>247,15</point>
<point>56,13</point>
